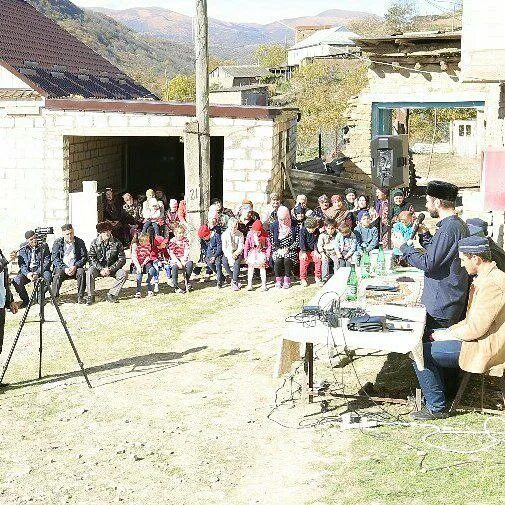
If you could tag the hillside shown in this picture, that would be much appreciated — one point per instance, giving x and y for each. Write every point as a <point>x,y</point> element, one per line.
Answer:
<point>132,52</point>
<point>228,40</point>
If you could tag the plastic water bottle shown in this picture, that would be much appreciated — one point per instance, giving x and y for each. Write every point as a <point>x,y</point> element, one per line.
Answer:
<point>365,264</point>
<point>352,285</point>
<point>381,261</point>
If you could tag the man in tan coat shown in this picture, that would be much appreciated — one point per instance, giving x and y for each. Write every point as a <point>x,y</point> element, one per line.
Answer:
<point>476,344</point>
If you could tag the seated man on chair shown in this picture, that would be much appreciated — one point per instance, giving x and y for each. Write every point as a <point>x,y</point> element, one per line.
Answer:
<point>31,265</point>
<point>475,344</point>
<point>69,258</point>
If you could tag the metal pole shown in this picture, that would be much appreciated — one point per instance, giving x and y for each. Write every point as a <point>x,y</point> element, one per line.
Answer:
<point>202,99</point>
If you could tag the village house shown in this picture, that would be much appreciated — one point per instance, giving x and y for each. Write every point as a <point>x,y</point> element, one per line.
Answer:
<point>254,94</point>
<point>69,118</point>
<point>230,76</point>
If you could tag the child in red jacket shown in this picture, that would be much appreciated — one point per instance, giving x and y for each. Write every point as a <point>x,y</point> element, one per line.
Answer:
<point>257,249</point>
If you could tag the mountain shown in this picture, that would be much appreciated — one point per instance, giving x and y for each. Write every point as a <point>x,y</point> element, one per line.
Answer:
<point>227,40</point>
<point>129,50</point>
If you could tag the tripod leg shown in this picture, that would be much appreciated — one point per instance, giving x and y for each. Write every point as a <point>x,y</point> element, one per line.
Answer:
<point>64,324</point>
<point>21,325</point>
<point>41,286</point>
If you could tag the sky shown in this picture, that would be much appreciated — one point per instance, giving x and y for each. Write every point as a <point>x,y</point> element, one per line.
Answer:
<point>261,11</point>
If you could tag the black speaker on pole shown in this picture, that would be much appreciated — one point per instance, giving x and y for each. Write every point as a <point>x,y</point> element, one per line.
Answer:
<point>390,161</point>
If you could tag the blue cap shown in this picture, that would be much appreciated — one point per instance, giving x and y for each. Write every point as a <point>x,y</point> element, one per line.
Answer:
<point>476,231</point>
<point>474,245</point>
<point>362,213</point>
<point>479,223</point>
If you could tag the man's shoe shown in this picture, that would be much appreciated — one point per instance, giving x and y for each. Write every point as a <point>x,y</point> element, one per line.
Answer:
<point>81,300</point>
<point>112,298</point>
<point>90,300</point>
<point>425,414</point>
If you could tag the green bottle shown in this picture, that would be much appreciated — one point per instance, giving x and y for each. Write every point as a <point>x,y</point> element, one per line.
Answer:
<point>381,261</point>
<point>352,285</point>
<point>365,264</point>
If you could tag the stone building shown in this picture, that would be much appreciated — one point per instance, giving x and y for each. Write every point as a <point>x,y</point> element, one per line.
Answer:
<point>67,116</point>
<point>229,76</point>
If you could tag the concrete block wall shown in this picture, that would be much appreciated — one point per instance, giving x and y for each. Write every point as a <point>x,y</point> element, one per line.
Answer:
<point>94,159</point>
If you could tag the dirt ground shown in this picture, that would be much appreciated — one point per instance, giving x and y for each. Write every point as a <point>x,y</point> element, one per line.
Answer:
<point>182,387</point>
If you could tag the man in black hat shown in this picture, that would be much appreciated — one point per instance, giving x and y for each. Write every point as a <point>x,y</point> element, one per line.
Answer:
<point>445,280</point>
<point>478,227</point>
<point>106,259</point>
<point>31,265</point>
<point>6,298</point>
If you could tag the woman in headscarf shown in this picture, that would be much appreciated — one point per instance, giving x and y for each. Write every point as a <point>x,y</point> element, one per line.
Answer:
<point>321,212</point>
<point>340,212</point>
<point>400,204</point>
<point>284,239</point>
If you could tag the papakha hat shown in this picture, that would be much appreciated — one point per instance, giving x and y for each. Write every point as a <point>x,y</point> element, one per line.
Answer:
<point>442,190</point>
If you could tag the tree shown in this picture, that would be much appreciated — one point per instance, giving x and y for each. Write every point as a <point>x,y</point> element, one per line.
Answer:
<point>322,90</point>
<point>181,88</point>
<point>401,14</point>
<point>370,26</point>
<point>271,55</point>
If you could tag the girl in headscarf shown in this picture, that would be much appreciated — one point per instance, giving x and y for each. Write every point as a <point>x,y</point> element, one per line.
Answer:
<point>257,250</point>
<point>284,239</point>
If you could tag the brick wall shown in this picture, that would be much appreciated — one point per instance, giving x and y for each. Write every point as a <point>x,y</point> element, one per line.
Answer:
<point>98,159</point>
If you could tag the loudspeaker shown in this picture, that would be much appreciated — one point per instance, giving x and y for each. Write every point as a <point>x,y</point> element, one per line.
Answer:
<point>390,161</point>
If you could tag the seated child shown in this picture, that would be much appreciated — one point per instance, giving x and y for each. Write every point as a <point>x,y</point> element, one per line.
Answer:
<point>345,245</point>
<point>257,249</point>
<point>326,246</point>
<point>309,235</point>
<point>233,245</point>
<point>366,234</point>
<point>142,262</point>
<point>178,248</point>
<point>214,251</point>
<point>404,225</point>
<point>153,213</point>
<point>172,219</point>
<point>160,258</point>
<point>299,214</point>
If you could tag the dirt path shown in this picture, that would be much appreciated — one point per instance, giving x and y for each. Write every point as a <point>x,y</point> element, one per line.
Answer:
<point>175,417</point>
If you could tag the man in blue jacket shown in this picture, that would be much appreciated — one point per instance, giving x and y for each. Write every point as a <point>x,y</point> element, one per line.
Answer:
<point>6,298</point>
<point>69,258</point>
<point>31,265</point>
<point>445,280</point>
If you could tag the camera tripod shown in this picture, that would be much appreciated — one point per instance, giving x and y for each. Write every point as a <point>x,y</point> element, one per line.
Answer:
<point>39,288</point>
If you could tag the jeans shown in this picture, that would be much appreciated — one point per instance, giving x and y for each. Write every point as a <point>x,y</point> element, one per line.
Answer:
<point>157,268</point>
<point>59,275</point>
<point>325,264</point>
<point>216,267</point>
<point>283,267</point>
<point>236,268</point>
<point>154,224</point>
<point>440,370</point>
<point>304,265</point>
<point>175,272</point>
<point>2,327</point>
<point>151,272</point>
<point>20,281</point>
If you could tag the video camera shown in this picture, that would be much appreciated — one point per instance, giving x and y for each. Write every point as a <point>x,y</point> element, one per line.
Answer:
<point>42,233</point>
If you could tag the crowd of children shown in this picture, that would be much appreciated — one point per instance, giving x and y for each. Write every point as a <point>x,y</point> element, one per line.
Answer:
<point>282,241</point>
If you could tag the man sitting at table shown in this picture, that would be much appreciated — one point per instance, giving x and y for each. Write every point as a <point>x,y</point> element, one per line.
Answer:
<point>476,344</point>
<point>445,280</point>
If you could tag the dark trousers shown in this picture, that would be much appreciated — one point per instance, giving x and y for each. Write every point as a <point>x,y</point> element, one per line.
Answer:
<point>217,268</point>
<point>59,276</point>
<point>21,280</point>
<point>435,323</point>
<point>236,268</point>
<point>439,378</point>
<point>283,267</point>
<point>175,272</point>
<point>2,328</point>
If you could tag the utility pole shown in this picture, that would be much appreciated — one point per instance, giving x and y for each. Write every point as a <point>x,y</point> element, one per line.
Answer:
<point>197,141</point>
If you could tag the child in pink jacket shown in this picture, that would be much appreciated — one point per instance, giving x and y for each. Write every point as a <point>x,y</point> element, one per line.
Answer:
<point>257,249</point>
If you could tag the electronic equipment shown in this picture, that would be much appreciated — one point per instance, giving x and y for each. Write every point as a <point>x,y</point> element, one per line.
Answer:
<point>390,161</point>
<point>419,220</point>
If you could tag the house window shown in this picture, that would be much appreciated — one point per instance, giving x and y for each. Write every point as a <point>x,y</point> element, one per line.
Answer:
<point>461,130</point>
<point>468,130</point>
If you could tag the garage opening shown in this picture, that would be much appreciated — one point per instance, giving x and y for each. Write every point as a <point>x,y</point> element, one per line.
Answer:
<point>135,164</point>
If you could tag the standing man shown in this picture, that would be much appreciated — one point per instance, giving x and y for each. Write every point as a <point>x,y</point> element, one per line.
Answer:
<point>445,280</point>
<point>69,257</point>
<point>6,298</point>
<point>106,259</point>
<point>31,265</point>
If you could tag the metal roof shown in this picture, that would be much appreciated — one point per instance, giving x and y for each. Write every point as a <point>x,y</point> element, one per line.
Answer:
<point>409,36</point>
<point>54,62</point>
<point>245,70</point>
<point>336,36</point>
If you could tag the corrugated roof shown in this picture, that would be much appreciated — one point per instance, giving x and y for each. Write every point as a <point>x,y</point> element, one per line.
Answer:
<point>410,37</point>
<point>19,94</point>
<point>336,36</point>
<point>54,62</point>
<point>245,70</point>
